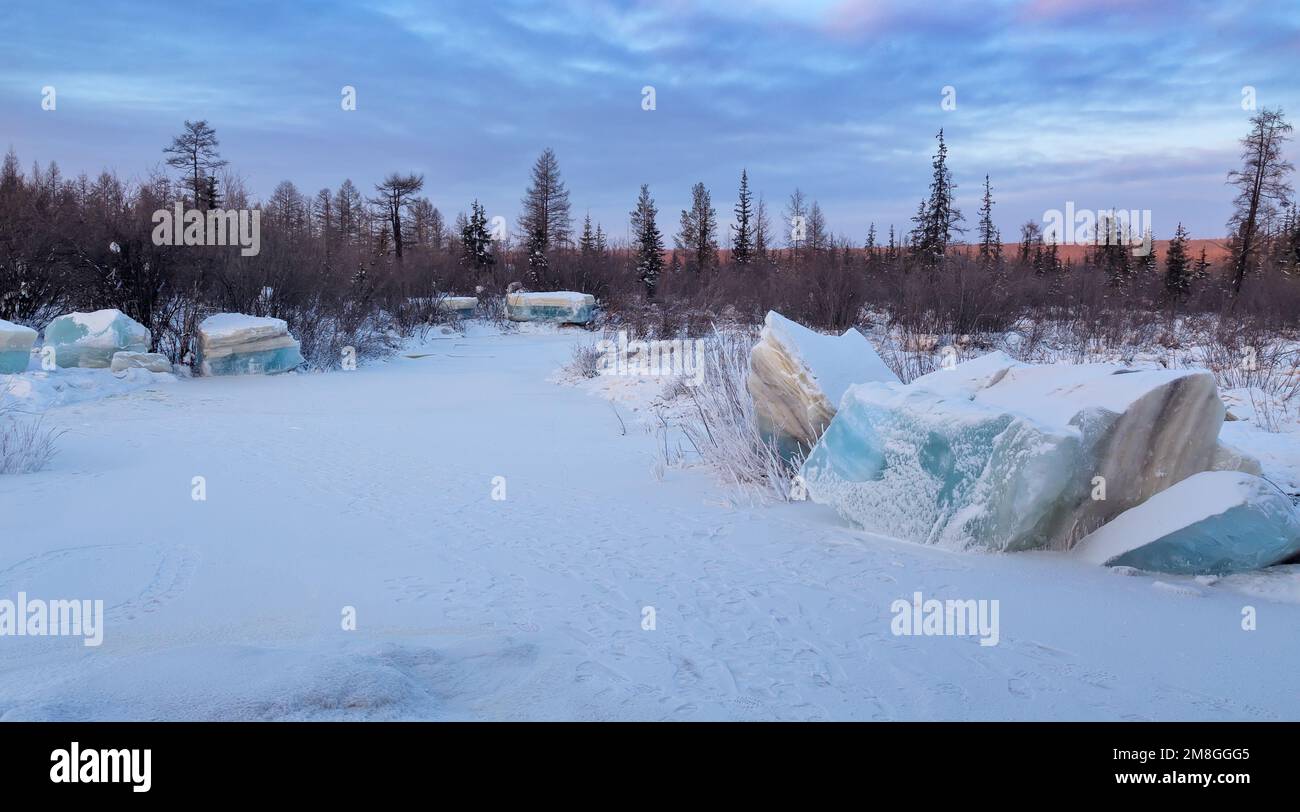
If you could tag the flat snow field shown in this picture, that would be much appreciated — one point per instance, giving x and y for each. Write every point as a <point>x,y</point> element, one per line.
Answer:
<point>373,489</point>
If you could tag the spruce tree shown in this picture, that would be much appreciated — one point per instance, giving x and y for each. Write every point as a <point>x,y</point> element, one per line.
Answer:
<point>587,242</point>
<point>1202,267</point>
<point>937,218</point>
<point>649,242</point>
<point>990,243</point>
<point>742,241</point>
<point>1178,272</point>
<point>475,240</point>
<point>1150,262</point>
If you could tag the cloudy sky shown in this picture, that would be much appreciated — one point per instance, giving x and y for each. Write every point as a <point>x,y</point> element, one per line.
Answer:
<point>1106,103</point>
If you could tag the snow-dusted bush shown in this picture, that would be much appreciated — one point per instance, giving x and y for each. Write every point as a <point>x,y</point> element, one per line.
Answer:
<point>585,362</point>
<point>322,337</point>
<point>719,423</point>
<point>25,445</point>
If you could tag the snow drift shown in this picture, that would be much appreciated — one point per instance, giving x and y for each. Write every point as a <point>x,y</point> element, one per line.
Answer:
<point>797,378</point>
<point>152,361</point>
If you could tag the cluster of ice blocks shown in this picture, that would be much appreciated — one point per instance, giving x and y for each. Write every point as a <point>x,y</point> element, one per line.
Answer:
<point>998,454</point>
<point>238,344</point>
<point>560,306</point>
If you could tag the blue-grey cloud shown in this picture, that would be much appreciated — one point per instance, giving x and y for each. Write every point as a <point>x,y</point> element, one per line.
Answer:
<point>1105,103</point>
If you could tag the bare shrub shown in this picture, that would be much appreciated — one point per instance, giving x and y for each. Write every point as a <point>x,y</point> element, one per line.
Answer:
<point>720,425</point>
<point>26,446</point>
<point>322,337</point>
<point>492,309</point>
<point>585,362</point>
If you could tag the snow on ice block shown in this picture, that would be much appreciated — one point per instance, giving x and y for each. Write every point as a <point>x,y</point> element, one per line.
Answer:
<point>1009,456</point>
<point>91,339</point>
<point>15,347</point>
<point>238,344</point>
<point>152,361</point>
<point>462,306</point>
<point>1230,458</point>
<point>797,378</point>
<point>560,306</point>
<point>1212,523</point>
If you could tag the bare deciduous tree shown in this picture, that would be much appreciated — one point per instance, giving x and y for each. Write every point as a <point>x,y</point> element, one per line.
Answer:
<point>395,194</point>
<point>195,151</point>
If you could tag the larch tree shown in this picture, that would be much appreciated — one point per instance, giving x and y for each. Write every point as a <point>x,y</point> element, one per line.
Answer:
<point>1261,187</point>
<point>394,196</point>
<point>195,152</point>
<point>762,230</point>
<point>698,236</point>
<point>545,220</point>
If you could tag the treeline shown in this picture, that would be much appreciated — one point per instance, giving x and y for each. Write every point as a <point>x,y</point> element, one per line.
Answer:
<point>348,266</point>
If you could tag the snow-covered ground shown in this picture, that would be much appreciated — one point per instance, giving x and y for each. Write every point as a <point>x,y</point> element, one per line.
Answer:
<point>374,489</point>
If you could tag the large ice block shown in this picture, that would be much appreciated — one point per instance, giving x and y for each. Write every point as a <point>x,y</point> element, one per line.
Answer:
<point>1214,522</point>
<point>559,306</point>
<point>1010,456</point>
<point>464,307</point>
<point>91,339</point>
<point>238,344</point>
<point>944,471</point>
<point>797,378</point>
<point>15,347</point>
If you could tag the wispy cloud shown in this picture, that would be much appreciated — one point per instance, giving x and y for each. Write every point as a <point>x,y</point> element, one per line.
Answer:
<point>1055,99</point>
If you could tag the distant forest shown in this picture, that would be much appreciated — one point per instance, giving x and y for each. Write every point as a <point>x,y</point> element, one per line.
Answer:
<point>348,266</point>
